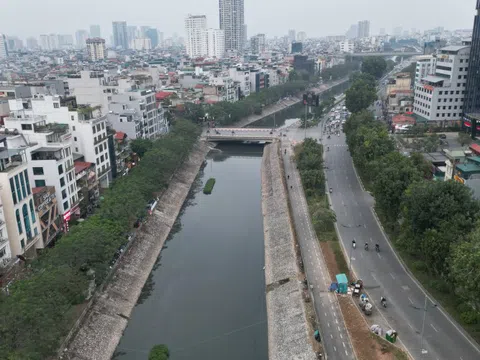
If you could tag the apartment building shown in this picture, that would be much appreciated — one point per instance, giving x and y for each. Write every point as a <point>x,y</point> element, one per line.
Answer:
<point>259,80</point>
<point>195,28</point>
<point>242,77</point>
<point>96,49</point>
<point>215,43</point>
<point>88,187</point>
<point>46,207</point>
<point>347,46</point>
<point>425,66</point>
<point>439,97</point>
<point>5,252</point>
<point>135,113</point>
<point>21,223</point>
<point>221,87</point>
<point>48,147</point>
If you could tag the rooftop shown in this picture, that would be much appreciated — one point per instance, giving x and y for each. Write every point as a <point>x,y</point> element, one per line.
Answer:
<point>433,79</point>
<point>454,48</point>
<point>81,166</point>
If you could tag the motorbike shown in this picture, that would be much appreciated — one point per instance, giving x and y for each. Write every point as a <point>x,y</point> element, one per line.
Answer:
<point>331,190</point>
<point>366,246</point>
<point>383,301</point>
<point>328,137</point>
<point>354,244</point>
<point>377,248</point>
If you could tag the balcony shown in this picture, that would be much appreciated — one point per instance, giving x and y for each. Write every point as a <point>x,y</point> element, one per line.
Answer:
<point>99,139</point>
<point>103,172</point>
<point>3,240</point>
<point>46,153</point>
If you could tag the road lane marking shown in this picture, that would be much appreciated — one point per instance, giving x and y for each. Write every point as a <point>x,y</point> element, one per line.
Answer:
<point>334,348</point>
<point>433,327</point>
<point>343,344</point>
<point>393,277</point>
<point>380,256</point>
<point>341,336</point>
<point>328,324</point>
<point>331,336</point>
<point>411,327</point>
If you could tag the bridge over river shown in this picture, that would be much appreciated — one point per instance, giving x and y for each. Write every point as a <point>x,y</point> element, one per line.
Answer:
<point>243,134</point>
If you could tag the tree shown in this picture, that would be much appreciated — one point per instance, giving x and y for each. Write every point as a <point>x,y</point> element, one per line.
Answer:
<point>140,146</point>
<point>436,215</point>
<point>422,165</point>
<point>159,352</point>
<point>360,96</point>
<point>464,139</point>
<point>375,66</point>
<point>394,174</point>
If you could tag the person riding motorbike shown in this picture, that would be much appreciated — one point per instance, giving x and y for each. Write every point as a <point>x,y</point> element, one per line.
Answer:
<point>383,301</point>
<point>366,246</point>
<point>331,190</point>
<point>354,243</point>
<point>377,247</point>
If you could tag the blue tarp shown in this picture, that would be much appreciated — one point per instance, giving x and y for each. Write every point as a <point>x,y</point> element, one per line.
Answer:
<point>342,283</point>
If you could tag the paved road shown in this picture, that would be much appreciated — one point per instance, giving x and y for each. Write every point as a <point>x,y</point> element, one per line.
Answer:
<point>382,272</point>
<point>334,335</point>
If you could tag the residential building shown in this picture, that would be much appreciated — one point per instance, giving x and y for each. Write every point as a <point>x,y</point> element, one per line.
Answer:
<point>195,27</point>
<point>440,97</point>
<point>87,185</point>
<point>53,41</point>
<point>215,43</point>
<point>121,147</point>
<point>46,207</point>
<point>5,252</point>
<point>135,113</point>
<point>65,41</point>
<point>347,46</point>
<point>221,87</point>
<point>425,66</point>
<point>472,87</point>
<point>48,147</point>
<point>258,44</point>
<point>296,47</point>
<point>81,37</point>
<point>45,42</point>
<point>95,31</point>
<point>3,46</point>
<point>32,43</point>
<point>242,77</point>
<point>291,35</point>
<point>97,87</point>
<point>152,34</point>
<point>96,49</point>
<point>259,80</point>
<point>363,29</point>
<point>131,34</point>
<point>232,22</point>
<point>18,208</point>
<point>301,36</point>
<point>142,44</point>
<point>120,38</point>
<point>352,32</point>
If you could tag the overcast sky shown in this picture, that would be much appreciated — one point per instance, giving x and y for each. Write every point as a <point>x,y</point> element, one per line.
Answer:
<point>273,17</point>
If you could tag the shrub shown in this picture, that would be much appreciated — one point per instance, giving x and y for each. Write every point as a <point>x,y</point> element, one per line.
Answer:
<point>159,352</point>
<point>419,266</point>
<point>209,186</point>
<point>469,317</point>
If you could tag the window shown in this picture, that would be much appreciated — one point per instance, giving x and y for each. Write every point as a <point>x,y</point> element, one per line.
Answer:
<point>39,183</point>
<point>32,213</point>
<point>97,161</point>
<point>458,84</point>
<point>76,149</point>
<point>443,114</point>
<point>451,92</point>
<point>448,114</point>
<point>100,147</point>
<point>74,138</point>
<point>461,61</point>
<point>56,105</point>
<point>64,194</point>
<point>72,117</point>
<point>27,182</point>
<point>19,221</point>
<point>455,107</point>
<point>438,115</point>
<point>457,92</point>
<point>461,69</point>
<point>98,127</point>
<point>440,93</point>
<point>96,150</point>
<point>450,107</point>
<point>22,243</point>
<point>26,126</point>
<point>444,107</point>
<point>26,222</point>
<point>17,186</point>
<point>65,205</point>
<point>459,76</point>
<point>102,159</point>
<point>73,129</point>
<point>93,129</point>
<point>60,169</point>
<point>103,126</point>
<point>38,171</point>
<point>62,182</point>
<point>12,188</point>
<point>454,114</point>
<point>438,107</point>
<point>106,156</point>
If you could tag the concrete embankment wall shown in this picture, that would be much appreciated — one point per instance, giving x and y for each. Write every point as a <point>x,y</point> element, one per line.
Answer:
<point>103,326</point>
<point>288,336</point>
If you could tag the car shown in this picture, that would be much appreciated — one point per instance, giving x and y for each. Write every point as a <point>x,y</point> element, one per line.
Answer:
<point>442,136</point>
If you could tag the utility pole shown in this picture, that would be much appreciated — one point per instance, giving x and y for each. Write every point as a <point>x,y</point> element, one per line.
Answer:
<point>422,350</point>
<point>306,113</point>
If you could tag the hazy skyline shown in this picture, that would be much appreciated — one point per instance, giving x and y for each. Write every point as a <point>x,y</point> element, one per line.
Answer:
<point>272,17</point>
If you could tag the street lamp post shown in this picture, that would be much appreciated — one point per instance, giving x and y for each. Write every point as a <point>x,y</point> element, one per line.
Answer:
<point>425,308</point>
<point>306,113</point>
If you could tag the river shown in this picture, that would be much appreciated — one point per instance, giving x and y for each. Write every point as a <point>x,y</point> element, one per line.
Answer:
<point>205,298</point>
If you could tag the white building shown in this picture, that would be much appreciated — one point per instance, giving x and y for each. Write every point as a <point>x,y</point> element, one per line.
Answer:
<point>3,46</point>
<point>135,113</point>
<point>195,27</point>
<point>232,21</point>
<point>142,44</point>
<point>81,37</point>
<point>425,66</point>
<point>22,225</point>
<point>301,36</point>
<point>97,87</point>
<point>440,97</point>
<point>215,43</point>
<point>48,147</point>
<point>96,49</point>
<point>347,46</point>
<point>88,128</point>
<point>363,29</point>
<point>5,252</point>
<point>242,77</point>
<point>258,44</point>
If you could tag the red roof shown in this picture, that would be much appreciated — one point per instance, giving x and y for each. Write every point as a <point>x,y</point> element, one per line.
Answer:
<point>403,119</point>
<point>120,135</point>
<point>162,95</point>
<point>81,165</point>
<point>475,148</point>
<point>38,189</point>
<point>199,86</point>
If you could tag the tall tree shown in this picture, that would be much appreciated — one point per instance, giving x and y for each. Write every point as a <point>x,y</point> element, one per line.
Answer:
<point>375,66</point>
<point>360,96</point>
